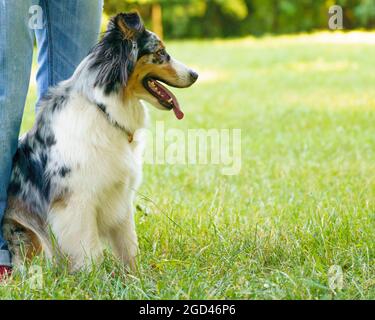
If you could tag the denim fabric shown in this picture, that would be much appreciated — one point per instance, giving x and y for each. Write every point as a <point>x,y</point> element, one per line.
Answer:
<point>69,29</point>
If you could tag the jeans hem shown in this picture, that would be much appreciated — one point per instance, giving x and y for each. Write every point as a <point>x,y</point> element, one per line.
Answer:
<point>5,259</point>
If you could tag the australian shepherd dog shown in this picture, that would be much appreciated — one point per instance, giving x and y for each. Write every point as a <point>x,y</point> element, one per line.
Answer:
<point>76,171</point>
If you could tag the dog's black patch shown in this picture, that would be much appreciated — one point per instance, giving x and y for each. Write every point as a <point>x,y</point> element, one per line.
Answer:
<point>50,140</point>
<point>58,103</point>
<point>31,166</point>
<point>46,140</point>
<point>102,107</point>
<point>28,179</point>
<point>55,100</point>
<point>63,171</point>
<point>14,186</point>
<point>32,179</point>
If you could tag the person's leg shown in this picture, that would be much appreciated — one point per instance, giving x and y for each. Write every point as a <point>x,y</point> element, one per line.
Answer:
<point>71,28</point>
<point>16,49</point>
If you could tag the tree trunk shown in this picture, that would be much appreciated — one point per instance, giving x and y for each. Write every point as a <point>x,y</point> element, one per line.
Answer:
<point>275,20</point>
<point>157,19</point>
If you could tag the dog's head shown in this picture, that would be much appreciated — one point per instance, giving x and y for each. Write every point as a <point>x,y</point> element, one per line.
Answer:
<point>131,59</point>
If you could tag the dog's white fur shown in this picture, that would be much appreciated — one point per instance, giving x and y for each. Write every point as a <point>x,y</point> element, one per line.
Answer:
<point>102,196</point>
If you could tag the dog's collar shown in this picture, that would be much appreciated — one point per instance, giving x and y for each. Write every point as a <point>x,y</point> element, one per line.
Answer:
<point>103,109</point>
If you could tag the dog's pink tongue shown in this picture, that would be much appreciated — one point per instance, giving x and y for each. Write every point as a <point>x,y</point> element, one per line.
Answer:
<point>167,96</point>
<point>178,112</point>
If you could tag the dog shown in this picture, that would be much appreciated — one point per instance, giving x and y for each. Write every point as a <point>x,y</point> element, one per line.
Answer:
<point>76,172</point>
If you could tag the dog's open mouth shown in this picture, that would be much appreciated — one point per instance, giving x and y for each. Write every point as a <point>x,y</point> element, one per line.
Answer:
<point>165,97</point>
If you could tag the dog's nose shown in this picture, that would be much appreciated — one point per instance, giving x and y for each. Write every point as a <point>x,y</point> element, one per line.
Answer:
<point>193,75</point>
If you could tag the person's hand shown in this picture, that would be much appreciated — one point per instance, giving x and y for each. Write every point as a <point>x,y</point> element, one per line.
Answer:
<point>5,272</point>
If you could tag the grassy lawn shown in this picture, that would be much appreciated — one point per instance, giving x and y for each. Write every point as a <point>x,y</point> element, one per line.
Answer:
<point>303,202</point>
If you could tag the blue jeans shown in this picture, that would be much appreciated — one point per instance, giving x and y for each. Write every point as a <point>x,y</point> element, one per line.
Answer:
<point>67,31</point>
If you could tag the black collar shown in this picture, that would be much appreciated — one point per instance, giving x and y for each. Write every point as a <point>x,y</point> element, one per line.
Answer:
<point>103,109</point>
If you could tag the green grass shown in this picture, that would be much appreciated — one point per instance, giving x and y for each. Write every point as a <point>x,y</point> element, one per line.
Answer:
<point>303,202</point>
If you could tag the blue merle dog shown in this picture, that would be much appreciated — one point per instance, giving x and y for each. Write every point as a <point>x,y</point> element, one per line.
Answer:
<point>76,171</point>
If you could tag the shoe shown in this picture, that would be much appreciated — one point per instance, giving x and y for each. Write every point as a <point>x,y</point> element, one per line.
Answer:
<point>5,272</point>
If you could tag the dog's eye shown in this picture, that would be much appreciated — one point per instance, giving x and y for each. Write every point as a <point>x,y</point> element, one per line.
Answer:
<point>162,56</point>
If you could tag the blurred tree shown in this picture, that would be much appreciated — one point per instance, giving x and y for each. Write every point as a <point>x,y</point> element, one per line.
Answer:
<point>365,12</point>
<point>157,18</point>
<point>237,8</point>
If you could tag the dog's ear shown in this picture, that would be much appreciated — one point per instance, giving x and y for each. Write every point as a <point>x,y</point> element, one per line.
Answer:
<point>130,25</point>
<point>115,56</point>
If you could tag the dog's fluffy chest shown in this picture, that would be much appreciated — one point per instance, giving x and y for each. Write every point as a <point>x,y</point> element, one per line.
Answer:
<point>98,155</point>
